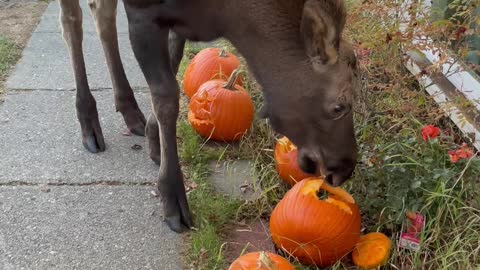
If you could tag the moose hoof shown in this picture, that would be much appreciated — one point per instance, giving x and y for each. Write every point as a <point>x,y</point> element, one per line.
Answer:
<point>139,131</point>
<point>177,214</point>
<point>155,158</point>
<point>175,224</point>
<point>135,120</point>
<point>94,143</point>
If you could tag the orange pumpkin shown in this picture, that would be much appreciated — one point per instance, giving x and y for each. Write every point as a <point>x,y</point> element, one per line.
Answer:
<point>316,232</point>
<point>209,64</point>
<point>372,250</point>
<point>261,261</point>
<point>286,162</point>
<point>221,110</point>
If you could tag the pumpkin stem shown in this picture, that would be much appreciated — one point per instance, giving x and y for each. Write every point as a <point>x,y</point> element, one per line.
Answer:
<point>233,78</point>
<point>223,53</point>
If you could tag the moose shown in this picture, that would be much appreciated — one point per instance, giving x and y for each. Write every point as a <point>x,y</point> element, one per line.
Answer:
<point>294,48</point>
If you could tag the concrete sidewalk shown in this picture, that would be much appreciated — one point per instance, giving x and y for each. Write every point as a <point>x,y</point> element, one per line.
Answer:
<point>62,207</point>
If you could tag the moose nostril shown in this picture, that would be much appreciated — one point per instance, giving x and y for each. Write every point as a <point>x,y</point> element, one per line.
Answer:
<point>308,165</point>
<point>329,179</point>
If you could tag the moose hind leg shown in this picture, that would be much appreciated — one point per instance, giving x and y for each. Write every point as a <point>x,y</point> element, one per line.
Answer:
<point>176,45</point>
<point>150,46</point>
<point>104,13</point>
<point>71,22</point>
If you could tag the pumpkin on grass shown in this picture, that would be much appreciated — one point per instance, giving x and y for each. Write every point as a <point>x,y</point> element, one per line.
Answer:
<point>315,231</point>
<point>209,64</point>
<point>221,110</point>
<point>261,261</point>
<point>286,162</point>
<point>372,250</point>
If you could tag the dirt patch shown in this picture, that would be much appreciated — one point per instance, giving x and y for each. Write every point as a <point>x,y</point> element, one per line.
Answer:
<point>248,238</point>
<point>19,19</point>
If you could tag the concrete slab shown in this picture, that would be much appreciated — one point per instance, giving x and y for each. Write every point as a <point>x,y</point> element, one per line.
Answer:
<point>45,64</point>
<point>50,19</point>
<point>84,228</point>
<point>235,179</point>
<point>40,141</point>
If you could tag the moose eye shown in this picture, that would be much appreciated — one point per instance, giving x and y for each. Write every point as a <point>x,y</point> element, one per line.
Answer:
<point>340,110</point>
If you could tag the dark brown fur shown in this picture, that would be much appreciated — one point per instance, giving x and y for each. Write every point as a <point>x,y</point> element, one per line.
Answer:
<point>294,49</point>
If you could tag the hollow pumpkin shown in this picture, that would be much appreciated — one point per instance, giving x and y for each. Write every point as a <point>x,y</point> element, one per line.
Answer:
<point>221,110</point>
<point>261,261</point>
<point>372,250</point>
<point>209,64</point>
<point>286,162</point>
<point>315,231</point>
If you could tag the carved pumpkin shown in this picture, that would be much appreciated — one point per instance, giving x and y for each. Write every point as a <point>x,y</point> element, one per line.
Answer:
<point>221,110</point>
<point>209,64</point>
<point>372,250</point>
<point>315,231</point>
<point>261,261</point>
<point>286,162</point>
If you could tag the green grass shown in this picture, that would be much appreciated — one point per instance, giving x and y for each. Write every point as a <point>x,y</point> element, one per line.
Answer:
<point>211,211</point>
<point>8,55</point>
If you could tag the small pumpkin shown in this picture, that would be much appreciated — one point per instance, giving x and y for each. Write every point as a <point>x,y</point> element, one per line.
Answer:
<point>209,64</point>
<point>286,162</point>
<point>261,261</point>
<point>372,250</point>
<point>315,231</point>
<point>221,110</point>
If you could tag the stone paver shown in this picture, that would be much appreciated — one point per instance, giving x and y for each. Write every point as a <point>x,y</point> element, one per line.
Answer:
<point>91,227</point>
<point>40,141</point>
<point>46,62</point>
<point>235,179</point>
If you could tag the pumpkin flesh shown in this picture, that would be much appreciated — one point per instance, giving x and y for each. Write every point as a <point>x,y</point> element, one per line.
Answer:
<point>372,250</point>
<point>261,261</point>
<point>316,232</point>
<point>286,162</point>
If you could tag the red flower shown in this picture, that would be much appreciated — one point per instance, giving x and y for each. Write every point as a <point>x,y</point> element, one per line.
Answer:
<point>430,132</point>
<point>464,152</point>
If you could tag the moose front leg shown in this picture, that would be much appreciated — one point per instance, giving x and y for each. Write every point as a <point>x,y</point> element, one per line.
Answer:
<point>150,46</point>
<point>104,13</point>
<point>71,22</point>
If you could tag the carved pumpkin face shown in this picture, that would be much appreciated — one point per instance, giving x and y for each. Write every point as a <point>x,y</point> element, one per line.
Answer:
<point>315,231</point>
<point>261,261</point>
<point>209,64</point>
<point>372,251</point>
<point>286,162</point>
<point>221,111</point>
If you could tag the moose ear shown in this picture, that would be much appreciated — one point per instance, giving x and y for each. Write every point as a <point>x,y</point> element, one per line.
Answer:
<point>321,27</point>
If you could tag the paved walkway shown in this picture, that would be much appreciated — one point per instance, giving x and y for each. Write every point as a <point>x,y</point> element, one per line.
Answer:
<point>60,206</point>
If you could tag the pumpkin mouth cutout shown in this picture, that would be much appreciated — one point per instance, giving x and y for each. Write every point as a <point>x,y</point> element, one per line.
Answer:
<point>337,197</point>
<point>202,114</point>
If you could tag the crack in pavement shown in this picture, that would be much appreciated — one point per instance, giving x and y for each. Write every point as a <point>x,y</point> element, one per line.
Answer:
<point>96,183</point>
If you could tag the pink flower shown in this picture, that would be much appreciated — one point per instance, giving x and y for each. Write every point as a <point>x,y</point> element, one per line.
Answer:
<point>464,152</point>
<point>430,132</point>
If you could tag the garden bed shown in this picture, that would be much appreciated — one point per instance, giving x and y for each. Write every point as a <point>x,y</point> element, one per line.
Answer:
<point>398,171</point>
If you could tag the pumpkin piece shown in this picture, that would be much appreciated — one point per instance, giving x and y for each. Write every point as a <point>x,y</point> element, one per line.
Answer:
<point>286,162</point>
<point>261,261</point>
<point>316,232</point>
<point>209,64</point>
<point>372,250</point>
<point>221,110</point>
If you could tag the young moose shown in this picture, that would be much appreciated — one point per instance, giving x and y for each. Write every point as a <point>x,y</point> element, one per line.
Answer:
<point>293,47</point>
